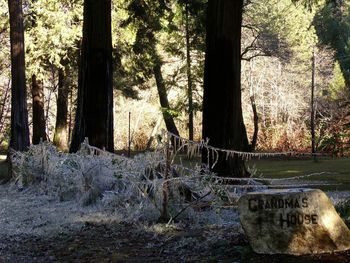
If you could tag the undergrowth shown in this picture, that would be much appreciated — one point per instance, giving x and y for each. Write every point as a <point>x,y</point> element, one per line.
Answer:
<point>139,188</point>
<point>130,187</point>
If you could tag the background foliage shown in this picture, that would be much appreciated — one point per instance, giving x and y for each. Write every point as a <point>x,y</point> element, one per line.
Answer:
<point>279,39</point>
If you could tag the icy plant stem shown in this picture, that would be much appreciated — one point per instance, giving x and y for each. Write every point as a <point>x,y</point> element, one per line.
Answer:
<point>165,215</point>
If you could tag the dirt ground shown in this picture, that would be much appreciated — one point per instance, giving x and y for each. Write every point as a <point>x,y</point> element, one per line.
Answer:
<point>37,228</point>
<point>129,243</point>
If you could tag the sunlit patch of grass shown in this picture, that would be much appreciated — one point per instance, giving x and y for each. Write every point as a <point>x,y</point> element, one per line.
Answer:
<point>335,170</point>
<point>336,167</point>
<point>292,171</point>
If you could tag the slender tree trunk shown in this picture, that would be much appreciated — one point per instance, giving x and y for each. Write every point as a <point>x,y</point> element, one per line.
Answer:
<point>70,116</point>
<point>189,75</point>
<point>163,98</point>
<point>4,107</point>
<point>222,110</point>
<point>61,136</point>
<point>19,114</point>
<point>39,123</point>
<point>94,117</point>
<point>256,124</point>
<point>254,139</point>
<point>312,106</point>
<point>4,113</point>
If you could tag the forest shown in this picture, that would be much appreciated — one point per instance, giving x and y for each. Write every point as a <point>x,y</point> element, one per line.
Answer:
<point>157,70</point>
<point>160,113</point>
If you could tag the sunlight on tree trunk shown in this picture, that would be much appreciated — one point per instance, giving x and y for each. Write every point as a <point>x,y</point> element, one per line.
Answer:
<point>61,136</point>
<point>39,123</point>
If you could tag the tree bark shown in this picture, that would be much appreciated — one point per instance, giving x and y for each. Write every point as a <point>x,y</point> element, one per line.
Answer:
<point>222,110</point>
<point>19,114</point>
<point>163,99</point>
<point>61,136</point>
<point>39,122</point>
<point>94,117</point>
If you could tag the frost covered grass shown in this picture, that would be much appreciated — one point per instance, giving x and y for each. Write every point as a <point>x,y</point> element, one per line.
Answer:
<point>54,191</point>
<point>341,201</point>
<point>128,190</point>
<point>90,177</point>
<point>28,213</point>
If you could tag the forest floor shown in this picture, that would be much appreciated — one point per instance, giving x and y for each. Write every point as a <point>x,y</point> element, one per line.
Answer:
<point>37,228</point>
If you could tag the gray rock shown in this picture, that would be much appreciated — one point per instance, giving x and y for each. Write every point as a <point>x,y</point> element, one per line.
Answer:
<point>294,221</point>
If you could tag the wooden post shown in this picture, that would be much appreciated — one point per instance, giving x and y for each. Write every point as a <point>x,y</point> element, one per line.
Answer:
<point>129,136</point>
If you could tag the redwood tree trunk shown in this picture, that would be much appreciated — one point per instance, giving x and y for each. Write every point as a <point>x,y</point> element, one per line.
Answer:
<point>222,111</point>
<point>94,117</point>
<point>39,122</point>
<point>61,136</point>
<point>19,113</point>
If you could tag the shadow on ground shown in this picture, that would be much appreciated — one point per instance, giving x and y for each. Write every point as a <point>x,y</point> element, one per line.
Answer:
<point>128,243</point>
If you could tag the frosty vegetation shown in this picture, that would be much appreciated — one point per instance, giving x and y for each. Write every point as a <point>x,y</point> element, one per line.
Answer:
<point>132,189</point>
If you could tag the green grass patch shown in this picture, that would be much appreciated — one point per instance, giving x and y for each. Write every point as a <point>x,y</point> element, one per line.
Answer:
<point>337,170</point>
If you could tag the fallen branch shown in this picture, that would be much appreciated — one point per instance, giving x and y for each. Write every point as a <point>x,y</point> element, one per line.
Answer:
<point>187,206</point>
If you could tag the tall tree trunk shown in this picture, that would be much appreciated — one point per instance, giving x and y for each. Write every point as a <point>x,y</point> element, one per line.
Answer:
<point>61,136</point>
<point>222,110</point>
<point>254,139</point>
<point>39,122</point>
<point>94,117</point>
<point>189,74</point>
<point>19,114</point>
<point>163,98</point>
<point>70,116</point>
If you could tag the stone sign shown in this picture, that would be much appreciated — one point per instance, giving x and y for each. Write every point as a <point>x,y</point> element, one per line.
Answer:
<point>295,221</point>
